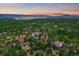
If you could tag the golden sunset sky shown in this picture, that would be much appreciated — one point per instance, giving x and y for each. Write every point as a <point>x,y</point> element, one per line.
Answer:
<point>52,9</point>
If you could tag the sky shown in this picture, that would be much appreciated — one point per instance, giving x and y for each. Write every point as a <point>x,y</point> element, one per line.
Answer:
<point>53,9</point>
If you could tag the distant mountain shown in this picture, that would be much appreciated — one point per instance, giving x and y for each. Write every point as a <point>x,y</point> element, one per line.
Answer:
<point>64,16</point>
<point>13,16</point>
<point>18,15</point>
<point>70,16</point>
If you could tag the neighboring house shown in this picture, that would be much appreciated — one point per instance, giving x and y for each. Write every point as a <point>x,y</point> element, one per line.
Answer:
<point>58,45</point>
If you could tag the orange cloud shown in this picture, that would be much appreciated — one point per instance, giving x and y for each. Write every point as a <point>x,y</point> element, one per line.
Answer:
<point>41,13</point>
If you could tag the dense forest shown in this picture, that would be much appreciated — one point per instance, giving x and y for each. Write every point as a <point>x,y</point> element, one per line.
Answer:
<point>39,37</point>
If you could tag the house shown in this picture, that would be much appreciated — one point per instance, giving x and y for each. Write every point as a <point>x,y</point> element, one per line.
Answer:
<point>39,35</point>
